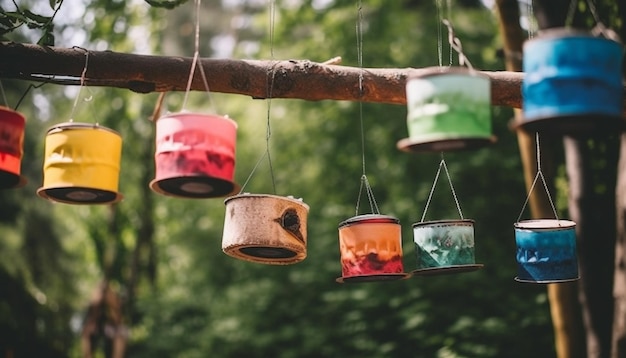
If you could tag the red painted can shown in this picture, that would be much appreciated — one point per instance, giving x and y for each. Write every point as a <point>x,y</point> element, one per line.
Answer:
<point>195,156</point>
<point>12,126</point>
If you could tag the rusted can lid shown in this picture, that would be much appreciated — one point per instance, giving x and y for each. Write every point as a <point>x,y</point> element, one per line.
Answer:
<point>78,125</point>
<point>370,219</point>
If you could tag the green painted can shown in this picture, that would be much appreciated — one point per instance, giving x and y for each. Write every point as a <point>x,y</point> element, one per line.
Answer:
<point>449,108</point>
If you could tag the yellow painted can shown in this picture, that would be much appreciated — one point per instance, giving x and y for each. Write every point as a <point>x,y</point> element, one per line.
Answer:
<point>81,164</point>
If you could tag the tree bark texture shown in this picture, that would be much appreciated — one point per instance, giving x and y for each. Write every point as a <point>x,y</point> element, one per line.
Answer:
<point>564,307</point>
<point>619,283</point>
<point>297,79</point>
<point>591,171</point>
<point>618,346</point>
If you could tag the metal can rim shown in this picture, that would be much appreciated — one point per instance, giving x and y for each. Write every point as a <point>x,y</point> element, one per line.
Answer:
<point>372,218</point>
<point>445,221</point>
<point>186,114</point>
<point>545,224</point>
<point>269,196</point>
<point>79,125</point>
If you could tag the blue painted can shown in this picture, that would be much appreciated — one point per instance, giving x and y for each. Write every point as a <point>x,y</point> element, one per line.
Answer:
<point>546,251</point>
<point>573,80</point>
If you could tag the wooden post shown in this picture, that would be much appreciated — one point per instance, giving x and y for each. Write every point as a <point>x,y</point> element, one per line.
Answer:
<point>564,307</point>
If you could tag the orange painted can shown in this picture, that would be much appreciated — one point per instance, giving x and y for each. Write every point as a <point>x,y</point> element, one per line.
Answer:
<point>195,156</point>
<point>371,249</point>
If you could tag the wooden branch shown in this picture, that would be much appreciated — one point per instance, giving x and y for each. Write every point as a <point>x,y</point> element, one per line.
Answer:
<point>301,79</point>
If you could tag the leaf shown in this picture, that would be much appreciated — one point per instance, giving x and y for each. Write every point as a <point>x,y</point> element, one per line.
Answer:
<point>16,16</point>
<point>37,18</point>
<point>47,39</point>
<point>167,4</point>
<point>6,22</point>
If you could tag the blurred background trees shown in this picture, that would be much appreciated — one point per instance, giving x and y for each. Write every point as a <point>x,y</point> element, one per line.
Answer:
<point>161,257</point>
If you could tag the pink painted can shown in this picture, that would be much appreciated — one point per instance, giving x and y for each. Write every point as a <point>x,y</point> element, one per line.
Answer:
<point>195,156</point>
<point>12,126</point>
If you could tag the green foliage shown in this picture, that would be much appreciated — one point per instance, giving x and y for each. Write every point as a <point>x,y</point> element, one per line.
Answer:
<point>184,297</point>
<point>12,20</point>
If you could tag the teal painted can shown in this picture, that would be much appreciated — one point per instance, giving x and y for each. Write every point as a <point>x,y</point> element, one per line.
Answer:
<point>572,82</point>
<point>444,246</point>
<point>546,251</point>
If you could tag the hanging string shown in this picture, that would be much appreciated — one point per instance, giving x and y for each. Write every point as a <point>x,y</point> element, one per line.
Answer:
<point>439,34</point>
<point>442,164</point>
<point>359,51</point>
<point>364,182</point>
<point>530,13</point>
<point>594,13</point>
<point>570,13</point>
<point>31,86</point>
<point>455,44</point>
<point>543,180</point>
<point>270,85</point>
<point>4,96</point>
<point>82,84</point>
<point>449,15</point>
<point>268,132</point>
<point>272,15</point>
<point>270,75</point>
<point>195,62</point>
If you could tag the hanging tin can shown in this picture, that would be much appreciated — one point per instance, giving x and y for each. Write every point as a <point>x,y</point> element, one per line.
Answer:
<point>195,156</point>
<point>12,126</point>
<point>371,249</point>
<point>264,228</point>
<point>81,164</point>
<point>444,246</point>
<point>448,109</point>
<point>546,251</point>
<point>568,86</point>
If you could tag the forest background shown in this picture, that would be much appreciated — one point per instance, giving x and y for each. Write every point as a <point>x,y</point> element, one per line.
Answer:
<point>180,295</point>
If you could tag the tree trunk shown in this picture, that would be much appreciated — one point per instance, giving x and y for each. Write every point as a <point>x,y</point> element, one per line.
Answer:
<point>564,307</point>
<point>591,171</point>
<point>619,286</point>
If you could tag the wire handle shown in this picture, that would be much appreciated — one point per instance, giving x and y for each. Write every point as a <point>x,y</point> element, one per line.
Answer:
<point>455,43</point>
<point>442,164</point>
<point>543,180</point>
<point>370,196</point>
